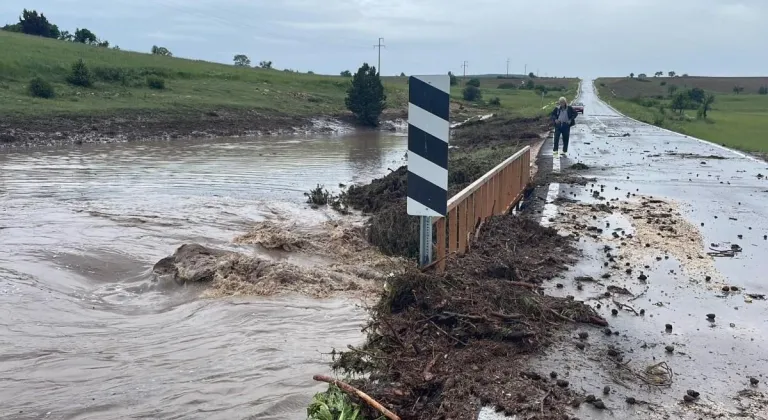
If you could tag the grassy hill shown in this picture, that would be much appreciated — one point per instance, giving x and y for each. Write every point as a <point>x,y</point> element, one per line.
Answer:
<point>736,120</point>
<point>197,94</point>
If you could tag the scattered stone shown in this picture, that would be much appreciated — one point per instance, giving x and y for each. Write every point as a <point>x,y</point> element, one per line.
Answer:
<point>670,349</point>
<point>562,383</point>
<point>614,312</point>
<point>583,335</point>
<point>560,285</point>
<point>553,375</point>
<point>631,400</point>
<point>642,277</point>
<point>708,279</point>
<point>753,381</point>
<point>608,331</point>
<point>613,352</point>
<point>590,399</point>
<point>694,394</point>
<point>734,289</point>
<point>669,327</point>
<point>711,317</point>
<point>642,311</point>
<point>726,288</point>
<point>606,390</point>
<point>599,404</point>
<point>580,346</point>
<point>689,399</point>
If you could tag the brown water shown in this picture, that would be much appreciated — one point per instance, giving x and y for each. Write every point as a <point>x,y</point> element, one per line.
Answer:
<point>82,333</point>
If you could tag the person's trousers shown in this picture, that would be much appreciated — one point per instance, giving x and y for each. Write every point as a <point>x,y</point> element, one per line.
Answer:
<point>565,131</point>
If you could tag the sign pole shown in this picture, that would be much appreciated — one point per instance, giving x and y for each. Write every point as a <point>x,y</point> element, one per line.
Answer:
<point>425,241</point>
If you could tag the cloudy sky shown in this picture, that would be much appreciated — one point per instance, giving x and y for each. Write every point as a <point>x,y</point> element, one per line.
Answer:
<point>584,38</point>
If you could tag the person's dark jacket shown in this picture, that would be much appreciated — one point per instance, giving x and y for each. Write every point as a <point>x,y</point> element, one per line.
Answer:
<point>571,115</point>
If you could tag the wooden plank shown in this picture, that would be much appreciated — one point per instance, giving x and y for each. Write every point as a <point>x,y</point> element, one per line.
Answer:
<point>452,231</point>
<point>440,225</point>
<point>471,211</point>
<point>462,227</point>
<point>458,198</point>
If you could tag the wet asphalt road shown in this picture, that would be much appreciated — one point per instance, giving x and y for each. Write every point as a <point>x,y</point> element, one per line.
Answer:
<point>716,359</point>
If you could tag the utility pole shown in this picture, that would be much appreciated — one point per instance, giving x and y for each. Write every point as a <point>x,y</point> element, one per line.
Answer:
<point>465,64</point>
<point>507,68</point>
<point>526,70</point>
<point>379,46</point>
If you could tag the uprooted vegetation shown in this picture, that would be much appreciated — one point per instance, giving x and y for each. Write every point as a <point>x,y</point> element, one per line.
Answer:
<point>478,147</point>
<point>442,346</point>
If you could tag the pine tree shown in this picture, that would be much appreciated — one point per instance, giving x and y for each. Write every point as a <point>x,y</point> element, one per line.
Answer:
<point>365,97</point>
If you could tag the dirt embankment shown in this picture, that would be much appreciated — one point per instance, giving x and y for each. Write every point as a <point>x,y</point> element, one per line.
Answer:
<point>441,347</point>
<point>478,146</point>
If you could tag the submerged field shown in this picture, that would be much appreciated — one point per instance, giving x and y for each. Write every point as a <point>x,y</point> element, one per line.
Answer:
<point>738,120</point>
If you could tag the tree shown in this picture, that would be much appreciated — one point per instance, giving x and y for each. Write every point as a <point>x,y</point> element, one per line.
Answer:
<point>738,89</point>
<point>685,74</point>
<point>161,51</point>
<point>678,102</point>
<point>528,85</point>
<point>346,73</point>
<point>472,93</point>
<point>453,78</point>
<point>31,23</point>
<point>104,44</point>
<point>85,36</point>
<point>631,75</point>
<point>402,74</point>
<point>80,74</point>
<point>672,89</point>
<point>697,95</point>
<point>642,76</point>
<point>658,73</point>
<point>242,60</point>
<point>763,90</point>
<point>66,36</point>
<point>531,75</point>
<point>706,105</point>
<point>474,82</point>
<point>265,64</point>
<point>365,97</point>
<point>671,74</point>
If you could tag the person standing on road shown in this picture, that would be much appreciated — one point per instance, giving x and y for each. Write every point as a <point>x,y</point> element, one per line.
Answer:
<point>564,117</point>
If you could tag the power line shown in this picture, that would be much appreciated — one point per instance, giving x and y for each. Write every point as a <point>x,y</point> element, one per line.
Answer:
<point>465,64</point>
<point>379,46</point>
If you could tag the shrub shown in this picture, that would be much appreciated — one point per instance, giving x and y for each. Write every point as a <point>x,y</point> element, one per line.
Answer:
<point>155,82</point>
<point>80,74</point>
<point>474,82</point>
<point>39,88</point>
<point>318,196</point>
<point>763,90</point>
<point>111,74</point>
<point>453,79</point>
<point>472,93</point>
<point>663,83</point>
<point>495,101</point>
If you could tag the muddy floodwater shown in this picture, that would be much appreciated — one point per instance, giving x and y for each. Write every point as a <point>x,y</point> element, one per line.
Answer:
<point>84,335</point>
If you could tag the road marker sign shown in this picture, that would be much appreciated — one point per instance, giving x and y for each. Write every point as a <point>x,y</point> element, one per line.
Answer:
<point>428,135</point>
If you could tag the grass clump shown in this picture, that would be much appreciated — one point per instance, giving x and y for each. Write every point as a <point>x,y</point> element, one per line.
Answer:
<point>333,405</point>
<point>318,196</point>
<point>39,88</point>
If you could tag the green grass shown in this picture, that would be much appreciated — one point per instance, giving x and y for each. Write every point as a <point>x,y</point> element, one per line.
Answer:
<point>189,84</point>
<point>736,121</point>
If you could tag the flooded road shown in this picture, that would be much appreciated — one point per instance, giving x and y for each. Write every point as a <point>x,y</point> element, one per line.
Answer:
<point>84,336</point>
<point>721,197</point>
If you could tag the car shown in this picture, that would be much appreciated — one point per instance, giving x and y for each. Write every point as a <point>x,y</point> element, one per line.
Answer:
<point>578,107</point>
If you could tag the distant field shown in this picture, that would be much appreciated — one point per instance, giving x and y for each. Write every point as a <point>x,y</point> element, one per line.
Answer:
<point>736,120</point>
<point>196,85</point>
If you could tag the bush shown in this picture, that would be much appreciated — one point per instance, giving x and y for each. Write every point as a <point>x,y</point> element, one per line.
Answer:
<point>474,82</point>
<point>80,75</point>
<point>663,83</point>
<point>472,93</point>
<point>763,90</point>
<point>495,101</point>
<point>39,88</point>
<point>453,79</point>
<point>318,196</point>
<point>155,82</point>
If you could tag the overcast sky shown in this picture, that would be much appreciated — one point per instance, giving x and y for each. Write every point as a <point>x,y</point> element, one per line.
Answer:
<point>584,38</point>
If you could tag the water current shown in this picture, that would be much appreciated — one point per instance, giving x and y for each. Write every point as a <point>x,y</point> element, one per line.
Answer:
<point>83,336</point>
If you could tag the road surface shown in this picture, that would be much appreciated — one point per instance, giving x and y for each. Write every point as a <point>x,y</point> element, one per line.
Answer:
<point>718,199</point>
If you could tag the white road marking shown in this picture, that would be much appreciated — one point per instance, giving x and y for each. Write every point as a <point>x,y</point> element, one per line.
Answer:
<point>550,209</point>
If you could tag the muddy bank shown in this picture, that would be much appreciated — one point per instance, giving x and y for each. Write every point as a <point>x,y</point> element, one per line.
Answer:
<point>443,346</point>
<point>477,147</point>
<point>130,126</point>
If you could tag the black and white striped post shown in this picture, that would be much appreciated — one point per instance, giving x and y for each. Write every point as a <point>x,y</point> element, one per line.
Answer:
<point>428,133</point>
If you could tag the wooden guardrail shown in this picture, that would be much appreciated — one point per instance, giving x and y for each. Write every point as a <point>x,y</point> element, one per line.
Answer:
<point>495,193</point>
